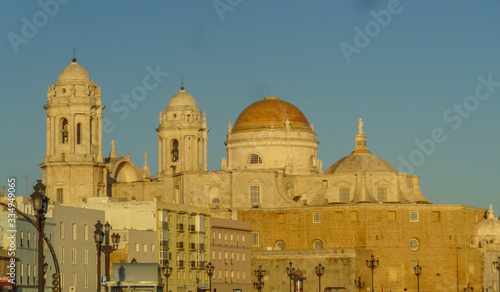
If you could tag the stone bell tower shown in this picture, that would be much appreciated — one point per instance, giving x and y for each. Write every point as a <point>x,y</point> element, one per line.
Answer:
<point>74,167</point>
<point>182,136</point>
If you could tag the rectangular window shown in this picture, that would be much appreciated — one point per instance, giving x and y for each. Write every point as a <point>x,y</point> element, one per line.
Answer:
<point>145,247</point>
<point>137,247</point>
<point>316,217</point>
<point>61,229</point>
<point>244,275</point>
<point>73,256</point>
<point>74,231</point>
<point>61,260</point>
<point>255,239</point>
<point>255,194</point>
<point>152,248</point>
<point>74,279</point>
<point>243,256</point>
<point>344,195</point>
<point>436,215</point>
<point>22,238</point>
<point>382,195</point>
<point>85,232</point>
<point>414,216</point>
<point>86,281</point>
<point>86,257</point>
<point>60,197</point>
<point>354,215</point>
<point>29,238</point>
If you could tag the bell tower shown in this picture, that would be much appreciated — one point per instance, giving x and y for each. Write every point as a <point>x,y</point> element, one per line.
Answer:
<point>74,167</point>
<point>182,136</point>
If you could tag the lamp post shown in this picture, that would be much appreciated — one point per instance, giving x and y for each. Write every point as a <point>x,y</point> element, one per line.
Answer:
<point>418,271</point>
<point>289,271</point>
<point>457,266</point>
<point>167,272</point>
<point>496,265</point>
<point>358,284</point>
<point>210,272</point>
<point>98,237</point>
<point>320,271</point>
<point>372,264</point>
<point>40,204</point>
<point>108,248</point>
<point>260,273</point>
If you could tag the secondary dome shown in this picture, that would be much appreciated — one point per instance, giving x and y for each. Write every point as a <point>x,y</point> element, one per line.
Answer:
<point>271,112</point>
<point>488,230</point>
<point>182,98</point>
<point>74,72</point>
<point>361,160</point>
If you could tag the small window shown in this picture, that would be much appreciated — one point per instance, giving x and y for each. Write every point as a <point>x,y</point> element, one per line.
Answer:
<point>312,160</point>
<point>281,245</point>
<point>74,231</point>
<point>344,195</point>
<point>317,218</point>
<point>382,195</point>
<point>60,197</point>
<point>78,133</point>
<point>85,232</point>
<point>325,184</point>
<point>61,229</point>
<point>255,194</point>
<point>414,216</point>
<point>254,159</point>
<point>137,247</point>
<point>255,239</point>
<point>318,244</point>
<point>413,244</point>
<point>391,216</point>
<point>436,215</point>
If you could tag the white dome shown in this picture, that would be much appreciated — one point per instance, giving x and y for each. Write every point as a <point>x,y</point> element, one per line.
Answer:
<point>74,72</point>
<point>182,98</point>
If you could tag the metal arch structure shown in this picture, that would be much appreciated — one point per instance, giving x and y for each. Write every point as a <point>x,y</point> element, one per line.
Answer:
<point>47,241</point>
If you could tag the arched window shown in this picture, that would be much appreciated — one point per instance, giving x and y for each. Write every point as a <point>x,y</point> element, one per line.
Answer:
<point>64,131</point>
<point>280,245</point>
<point>78,133</point>
<point>311,161</point>
<point>318,244</point>
<point>254,159</point>
<point>175,150</point>
<point>215,203</point>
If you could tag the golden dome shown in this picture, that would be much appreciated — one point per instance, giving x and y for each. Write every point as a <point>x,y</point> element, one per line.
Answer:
<point>271,113</point>
<point>74,72</point>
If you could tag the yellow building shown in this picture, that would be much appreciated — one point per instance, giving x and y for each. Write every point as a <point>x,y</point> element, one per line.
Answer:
<point>272,177</point>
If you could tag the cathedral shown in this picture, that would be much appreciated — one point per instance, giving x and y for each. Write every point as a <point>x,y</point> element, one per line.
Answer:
<point>272,177</point>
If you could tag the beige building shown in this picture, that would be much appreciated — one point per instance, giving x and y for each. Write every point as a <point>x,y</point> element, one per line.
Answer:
<point>273,178</point>
<point>230,255</point>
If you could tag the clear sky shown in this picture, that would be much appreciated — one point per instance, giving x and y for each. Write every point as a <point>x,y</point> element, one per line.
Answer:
<point>424,75</point>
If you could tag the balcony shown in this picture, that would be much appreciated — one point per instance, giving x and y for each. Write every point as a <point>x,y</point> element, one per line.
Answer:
<point>180,245</point>
<point>164,225</point>
<point>200,265</point>
<point>180,227</point>
<point>200,247</point>
<point>191,228</point>
<point>192,246</point>
<point>180,264</point>
<point>164,243</point>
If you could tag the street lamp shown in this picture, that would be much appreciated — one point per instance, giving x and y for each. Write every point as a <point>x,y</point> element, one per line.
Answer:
<point>40,204</point>
<point>289,271</point>
<point>358,284</point>
<point>98,237</point>
<point>496,265</point>
<point>372,264</point>
<point>320,271</point>
<point>108,248</point>
<point>260,273</point>
<point>210,272</point>
<point>167,272</point>
<point>418,271</point>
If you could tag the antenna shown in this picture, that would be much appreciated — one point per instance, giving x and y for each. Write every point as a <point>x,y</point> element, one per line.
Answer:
<point>74,53</point>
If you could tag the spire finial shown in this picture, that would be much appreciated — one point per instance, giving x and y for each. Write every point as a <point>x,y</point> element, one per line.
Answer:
<point>360,139</point>
<point>360,126</point>
<point>74,53</point>
<point>489,213</point>
<point>182,83</point>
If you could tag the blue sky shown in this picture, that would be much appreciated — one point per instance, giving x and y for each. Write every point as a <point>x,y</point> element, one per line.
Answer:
<point>417,71</point>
